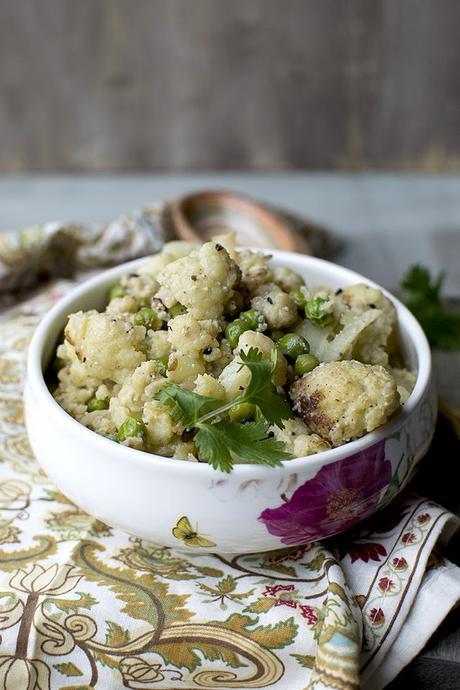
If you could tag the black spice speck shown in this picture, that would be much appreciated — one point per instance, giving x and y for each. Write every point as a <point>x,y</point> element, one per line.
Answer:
<point>339,291</point>
<point>269,300</point>
<point>207,350</point>
<point>219,247</point>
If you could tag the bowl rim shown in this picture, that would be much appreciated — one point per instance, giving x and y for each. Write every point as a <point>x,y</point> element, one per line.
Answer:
<point>36,381</point>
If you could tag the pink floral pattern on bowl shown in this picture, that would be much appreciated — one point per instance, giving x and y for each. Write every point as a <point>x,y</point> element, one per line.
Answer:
<point>341,494</point>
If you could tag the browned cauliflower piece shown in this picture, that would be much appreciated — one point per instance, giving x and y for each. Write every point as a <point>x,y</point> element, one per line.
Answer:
<point>255,268</point>
<point>278,308</point>
<point>378,339</point>
<point>342,401</point>
<point>298,439</point>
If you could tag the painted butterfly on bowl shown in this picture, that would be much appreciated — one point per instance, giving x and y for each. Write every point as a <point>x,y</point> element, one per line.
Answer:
<point>185,532</point>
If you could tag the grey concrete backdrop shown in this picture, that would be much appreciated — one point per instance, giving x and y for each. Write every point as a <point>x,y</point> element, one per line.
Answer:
<point>120,85</point>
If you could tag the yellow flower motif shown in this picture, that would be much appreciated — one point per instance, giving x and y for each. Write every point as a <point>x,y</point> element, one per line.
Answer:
<point>52,581</point>
<point>23,674</point>
<point>14,494</point>
<point>137,671</point>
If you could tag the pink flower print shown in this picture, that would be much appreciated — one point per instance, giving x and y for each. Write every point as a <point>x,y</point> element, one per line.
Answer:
<point>286,602</point>
<point>309,613</point>
<point>272,590</point>
<point>377,617</point>
<point>369,551</point>
<point>421,519</point>
<point>399,563</point>
<point>385,584</point>
<point>408,538</point>
<point>341,494</point>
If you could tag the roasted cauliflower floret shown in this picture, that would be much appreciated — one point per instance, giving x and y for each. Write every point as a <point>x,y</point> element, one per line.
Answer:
<point>377,340</point>
<point>342,401</point>
<point>298,439</point>
<point>405,380</point>
<point>278,308</point>
<point>286,278</point>
<point>255,270</point>
<point>102,346</point>
<point>201,281</point>
<point>137,389</point>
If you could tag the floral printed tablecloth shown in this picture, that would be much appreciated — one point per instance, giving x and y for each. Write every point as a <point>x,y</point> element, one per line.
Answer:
<point>83,605</point>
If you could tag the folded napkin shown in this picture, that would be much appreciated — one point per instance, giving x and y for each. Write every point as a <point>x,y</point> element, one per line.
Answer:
<point>83,605</point>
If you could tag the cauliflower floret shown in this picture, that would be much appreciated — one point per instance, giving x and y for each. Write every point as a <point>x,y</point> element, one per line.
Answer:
<point>102,346</point>
<point>123,305</point>
<point>137,389</point>
<point>193,344</point>
<point>184,368</point>
<point>405,380</point>
<point>186,334</point>
<point>207,385</point>
<point>141,285</point>
<point>228,241</point>
<point>254,268</point>
<point>202,281</point>
<point>298,439</point>
<point>100,421</point>
<point>170,252</point>
<point>158,344</point>
<point>159,424</point>
<point>234,378</point>
<point>286,278</point>
<point>344,400</point>
<point>278,308</point>
<point>378,339</point>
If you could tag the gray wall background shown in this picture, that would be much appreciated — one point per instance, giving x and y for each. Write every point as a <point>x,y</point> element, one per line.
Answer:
<point>117,85</point>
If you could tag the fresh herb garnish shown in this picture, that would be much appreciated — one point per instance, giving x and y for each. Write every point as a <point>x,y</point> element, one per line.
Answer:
<point>218,439</point>
<point>423,298</point>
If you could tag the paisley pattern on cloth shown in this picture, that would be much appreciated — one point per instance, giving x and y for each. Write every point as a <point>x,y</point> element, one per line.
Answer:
<point>83,605</point>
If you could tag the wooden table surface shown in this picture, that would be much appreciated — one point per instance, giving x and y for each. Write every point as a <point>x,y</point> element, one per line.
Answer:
<point>386,222</point>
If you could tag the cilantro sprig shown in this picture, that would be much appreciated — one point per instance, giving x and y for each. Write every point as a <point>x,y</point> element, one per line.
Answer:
<point>423,298</point>
<point>220,440</point>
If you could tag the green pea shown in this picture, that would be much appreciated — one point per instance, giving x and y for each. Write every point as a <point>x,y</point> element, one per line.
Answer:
<point>144,302</point>
<point>305,363</point>
<point>234,330</point>
<point>254,318</point>
<point>162,365</point>
<point>243,412</point>
<point>298,297</point>
<point>131,427</point>
<point>317,313</point>
<point>58,364</point>
<point>176,310</point>
<point>276,336</point>
<point>116,291</point>
<point>147,317</point>
<point>292,345</point>
<point>94,404</point>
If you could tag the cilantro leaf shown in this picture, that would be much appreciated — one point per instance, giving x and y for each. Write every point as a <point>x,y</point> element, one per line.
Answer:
<point>423,298</point>
<point>187,406</point>
<point>260,390</point>
<point>218,439</point>
<point>218,442</point>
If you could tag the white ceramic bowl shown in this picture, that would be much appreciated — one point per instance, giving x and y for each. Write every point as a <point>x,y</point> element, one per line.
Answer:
<point>254,508</point>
